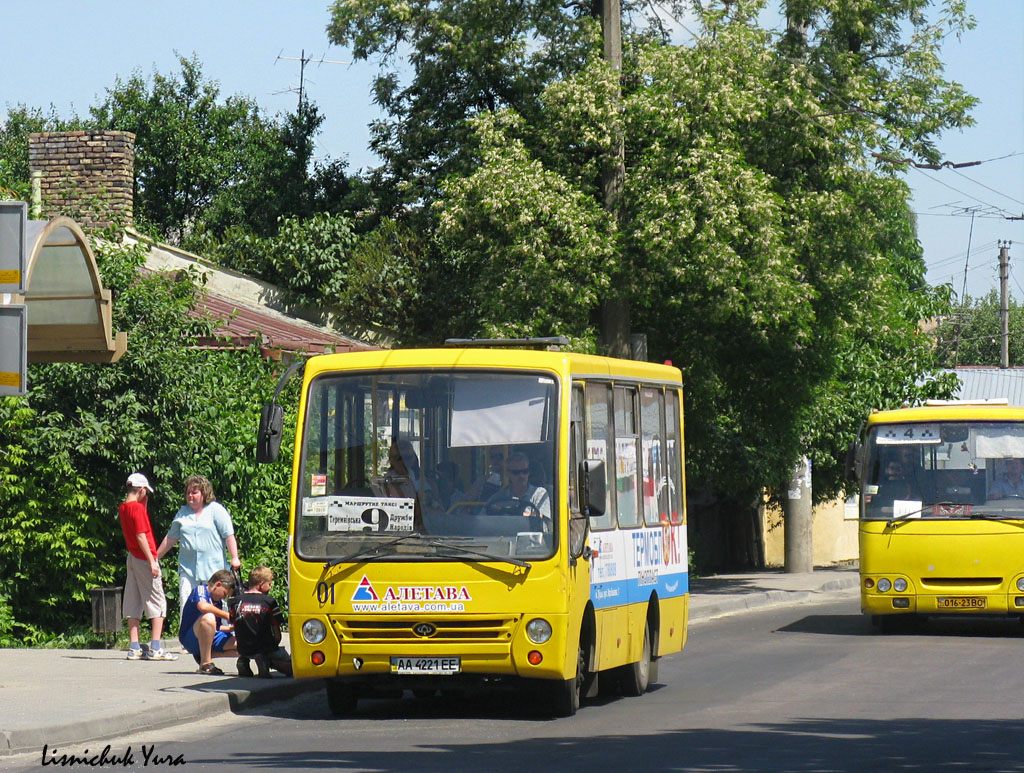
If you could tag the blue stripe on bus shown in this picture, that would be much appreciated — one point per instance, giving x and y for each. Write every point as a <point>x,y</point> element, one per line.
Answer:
<point>619,592</point>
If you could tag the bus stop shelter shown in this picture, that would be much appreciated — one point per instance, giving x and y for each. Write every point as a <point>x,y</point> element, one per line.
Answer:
<point>53,305</point>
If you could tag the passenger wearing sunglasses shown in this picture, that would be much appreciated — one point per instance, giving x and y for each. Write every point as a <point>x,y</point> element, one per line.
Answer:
<point>536,499</point>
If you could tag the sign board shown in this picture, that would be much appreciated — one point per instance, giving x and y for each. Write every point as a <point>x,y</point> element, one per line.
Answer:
<point>13,349</point>
<point>13,246</point>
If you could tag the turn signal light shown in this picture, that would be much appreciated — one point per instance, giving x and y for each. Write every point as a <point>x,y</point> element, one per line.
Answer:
<point>869,583</point>
<point>535,658</point>
<point>318,658</point>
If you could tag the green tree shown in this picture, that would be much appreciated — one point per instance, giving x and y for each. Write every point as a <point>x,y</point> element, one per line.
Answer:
<point>21,121</point>
<point>765,253</point>
<point>204,164</point>
<point>971,334</point>
<point>467,57</point>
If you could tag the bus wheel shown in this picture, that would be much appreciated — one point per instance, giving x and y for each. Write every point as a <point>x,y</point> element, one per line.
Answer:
<point>342,698</point>
<point>636,677</point>
<point>564,696</point>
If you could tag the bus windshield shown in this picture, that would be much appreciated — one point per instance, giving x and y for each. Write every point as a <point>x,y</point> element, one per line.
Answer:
<point>944,469</point>
<point>426,465</point>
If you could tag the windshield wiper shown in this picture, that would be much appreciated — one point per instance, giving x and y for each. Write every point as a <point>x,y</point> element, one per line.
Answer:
<point>375,551</point>
<point>484,555</point>
<point>997,516</point>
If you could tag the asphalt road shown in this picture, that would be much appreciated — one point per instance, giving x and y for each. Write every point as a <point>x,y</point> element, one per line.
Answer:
<point>810,688</point>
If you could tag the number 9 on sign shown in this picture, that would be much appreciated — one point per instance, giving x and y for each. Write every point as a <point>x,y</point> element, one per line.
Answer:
<point>375,519</point>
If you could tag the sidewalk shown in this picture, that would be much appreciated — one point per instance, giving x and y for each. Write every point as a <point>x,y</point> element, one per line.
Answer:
<point>70,697</point>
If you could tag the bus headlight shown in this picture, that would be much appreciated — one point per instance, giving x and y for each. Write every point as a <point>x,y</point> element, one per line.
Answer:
<point>1020,583</point>
<point>314,631</point>
<point>538,630</point>
<point>884,585</point>
<point>899,584</point>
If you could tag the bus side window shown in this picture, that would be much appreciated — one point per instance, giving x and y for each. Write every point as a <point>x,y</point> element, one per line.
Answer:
<point>655,488</point>
<point>627,457</point>
<point>674,448</point>
<point>575,446</point>
<point>598,439</point>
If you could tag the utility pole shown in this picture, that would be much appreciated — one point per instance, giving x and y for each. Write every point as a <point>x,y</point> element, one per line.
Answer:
<point>1004,304</point>
<point>798,519</point>
<point>615,324</point>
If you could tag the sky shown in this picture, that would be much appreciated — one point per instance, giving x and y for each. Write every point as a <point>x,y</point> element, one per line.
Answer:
<point>66,53</point>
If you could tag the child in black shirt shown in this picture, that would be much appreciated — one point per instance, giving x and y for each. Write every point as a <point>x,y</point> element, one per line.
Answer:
<point>258,618</point>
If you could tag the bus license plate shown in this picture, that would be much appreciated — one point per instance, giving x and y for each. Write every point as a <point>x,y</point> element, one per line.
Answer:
<point>425,665</point>
<point>961,602</point>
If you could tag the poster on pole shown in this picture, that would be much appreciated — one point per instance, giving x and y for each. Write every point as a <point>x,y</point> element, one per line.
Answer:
<point>13,349</point>
<point>13,246</point>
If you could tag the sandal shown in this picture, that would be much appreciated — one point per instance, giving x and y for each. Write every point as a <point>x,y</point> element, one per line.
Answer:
<point>210,670</point>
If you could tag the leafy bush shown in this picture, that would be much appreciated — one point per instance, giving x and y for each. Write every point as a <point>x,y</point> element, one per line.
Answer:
<point>167,409</point>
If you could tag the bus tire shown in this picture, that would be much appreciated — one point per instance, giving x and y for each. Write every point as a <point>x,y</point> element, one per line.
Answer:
<point>342,698</point>
<point>636,677</point>
<point>564,696</point>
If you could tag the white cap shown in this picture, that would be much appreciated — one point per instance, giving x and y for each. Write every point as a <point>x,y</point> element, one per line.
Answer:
<point>138,480</point>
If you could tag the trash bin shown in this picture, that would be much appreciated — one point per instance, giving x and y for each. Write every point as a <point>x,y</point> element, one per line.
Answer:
<point>106,611</point>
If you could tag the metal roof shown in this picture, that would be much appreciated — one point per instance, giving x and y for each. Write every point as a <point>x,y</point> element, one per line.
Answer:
<point>978,382</point>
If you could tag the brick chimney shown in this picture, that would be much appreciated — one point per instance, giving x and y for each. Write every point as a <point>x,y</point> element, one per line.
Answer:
<point>86,175</point>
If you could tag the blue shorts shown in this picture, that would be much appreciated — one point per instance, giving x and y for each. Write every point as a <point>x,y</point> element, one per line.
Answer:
<point>190,642</point>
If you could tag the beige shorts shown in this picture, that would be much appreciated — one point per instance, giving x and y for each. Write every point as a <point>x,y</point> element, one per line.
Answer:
<point>142,591</point>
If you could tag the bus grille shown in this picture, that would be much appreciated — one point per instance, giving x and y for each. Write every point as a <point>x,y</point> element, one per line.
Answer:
<point>403,629</point>
<point>948,583</point>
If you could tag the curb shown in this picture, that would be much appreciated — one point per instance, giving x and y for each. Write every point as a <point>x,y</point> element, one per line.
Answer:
<point>771,598</point>
<point>202,705</point>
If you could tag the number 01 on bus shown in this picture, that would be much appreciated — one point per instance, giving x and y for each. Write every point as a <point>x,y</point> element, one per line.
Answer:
<point>480,516</point>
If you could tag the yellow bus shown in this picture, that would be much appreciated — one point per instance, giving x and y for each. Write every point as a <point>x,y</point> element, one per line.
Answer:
<point>941,511</point>
<point>482,514</point>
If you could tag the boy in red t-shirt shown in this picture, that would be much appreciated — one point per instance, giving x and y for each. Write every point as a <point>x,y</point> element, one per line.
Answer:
<point>143,588</point>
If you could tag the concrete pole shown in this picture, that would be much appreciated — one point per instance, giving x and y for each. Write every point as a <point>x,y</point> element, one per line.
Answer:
<point>1004,305</point>
<point>799,520</point>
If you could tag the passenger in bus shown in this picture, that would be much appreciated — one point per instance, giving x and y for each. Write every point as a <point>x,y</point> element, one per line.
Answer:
<point>520,488</point>
<point>1011,482</point>
<point>404,478</point>
<point>895,485</point>
<point>487,486</point>
<point>449,489</point>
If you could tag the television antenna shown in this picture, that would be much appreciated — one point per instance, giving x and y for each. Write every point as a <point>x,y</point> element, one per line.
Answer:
<point>303,60</point>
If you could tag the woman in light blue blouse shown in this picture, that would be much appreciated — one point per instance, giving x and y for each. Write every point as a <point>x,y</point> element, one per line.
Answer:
<point>203,527</point>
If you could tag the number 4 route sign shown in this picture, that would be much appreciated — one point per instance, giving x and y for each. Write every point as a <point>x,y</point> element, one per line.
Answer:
<point>13,317</point>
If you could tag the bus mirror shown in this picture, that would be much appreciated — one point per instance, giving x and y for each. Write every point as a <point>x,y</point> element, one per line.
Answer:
<point>853,461</point>
<point>268,440</point>
<point>592,485</point>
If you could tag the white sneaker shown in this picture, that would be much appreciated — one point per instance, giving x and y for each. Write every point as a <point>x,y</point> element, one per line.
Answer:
<point>160,654</point>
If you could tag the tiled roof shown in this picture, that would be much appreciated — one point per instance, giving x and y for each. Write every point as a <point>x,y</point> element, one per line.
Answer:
<point>243,325</point>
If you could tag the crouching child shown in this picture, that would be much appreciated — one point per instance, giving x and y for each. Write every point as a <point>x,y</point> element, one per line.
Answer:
<point>206,625</point>
<point>257,619</point>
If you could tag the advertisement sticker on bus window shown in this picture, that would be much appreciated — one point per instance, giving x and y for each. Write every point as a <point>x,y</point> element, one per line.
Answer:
<point>376,514</point>
<point>318,485</point>
<point>896,434</point>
